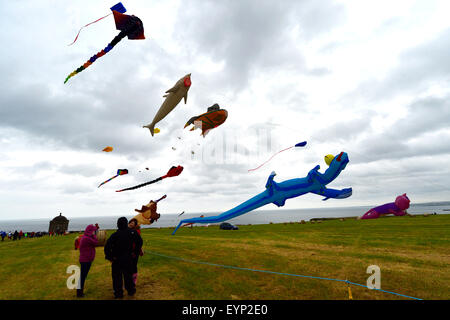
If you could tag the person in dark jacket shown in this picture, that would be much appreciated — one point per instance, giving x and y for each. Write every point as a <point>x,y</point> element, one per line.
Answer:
<point>121,247</point>
<point>15,235</point>
<point>87,254</point>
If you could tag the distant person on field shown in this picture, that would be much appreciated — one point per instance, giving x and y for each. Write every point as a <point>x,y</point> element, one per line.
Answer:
<point>87,255</point>
<point>20,234</point>
<point>15,235</point>
<point>3,235</point>
<point>119,249</point>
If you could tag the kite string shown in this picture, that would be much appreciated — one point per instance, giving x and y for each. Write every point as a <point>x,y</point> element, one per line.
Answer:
<point>270,159</point>
<point>279,273</point>
<point>86,26</point>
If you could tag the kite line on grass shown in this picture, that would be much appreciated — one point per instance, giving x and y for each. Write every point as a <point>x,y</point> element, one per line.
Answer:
<point>279,273</point>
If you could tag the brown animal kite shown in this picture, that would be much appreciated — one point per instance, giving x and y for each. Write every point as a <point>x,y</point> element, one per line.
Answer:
<point>209,120</point>
<point>147,214</point>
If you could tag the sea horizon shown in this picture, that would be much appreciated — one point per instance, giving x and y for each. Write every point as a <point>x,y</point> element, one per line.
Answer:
<point>253,217</point>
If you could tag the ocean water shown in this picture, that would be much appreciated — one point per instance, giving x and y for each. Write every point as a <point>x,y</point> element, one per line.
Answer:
<point>254,217</point>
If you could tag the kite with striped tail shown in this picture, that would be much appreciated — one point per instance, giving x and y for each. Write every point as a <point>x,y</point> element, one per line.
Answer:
<point>120,172</point>
<point>129,26</point>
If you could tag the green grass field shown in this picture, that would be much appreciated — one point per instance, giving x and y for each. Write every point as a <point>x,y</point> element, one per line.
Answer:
<point>412,252</point>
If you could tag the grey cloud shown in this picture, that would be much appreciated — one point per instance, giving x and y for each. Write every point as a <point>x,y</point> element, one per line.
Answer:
<point>330,47</point>
<point>417,69</point>
<point>82,122</point>
<point>425,115</point>
<point>379,148</point>
<point>418,133</point>
<point>214,189</point>
<point>318,72</point>
<point>343,131</point>
<point>30,172</point>
<point>34,169</point>
<point>415,166</point>
<point>252,37</point>
<point>43,165</point>
<point>85,170</point>
<point>403,138</point>
<point>76,188</point>
<point>315,18</point>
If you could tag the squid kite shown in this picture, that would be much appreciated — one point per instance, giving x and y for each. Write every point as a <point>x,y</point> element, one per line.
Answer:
<point>300,144</point>
<point>173,172</point>
<point>120,172</point>
<point>278,193</point>
<point>129,26</point>
<point>209,120</point>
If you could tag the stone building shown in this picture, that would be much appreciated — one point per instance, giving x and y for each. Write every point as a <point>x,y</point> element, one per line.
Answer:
<point>59,224</point>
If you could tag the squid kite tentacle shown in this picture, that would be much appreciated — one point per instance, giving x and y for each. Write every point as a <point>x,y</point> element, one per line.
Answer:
<point>99,54</point>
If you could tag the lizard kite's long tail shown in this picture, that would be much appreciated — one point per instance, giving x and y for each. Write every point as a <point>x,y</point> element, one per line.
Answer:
<point>99,54</point>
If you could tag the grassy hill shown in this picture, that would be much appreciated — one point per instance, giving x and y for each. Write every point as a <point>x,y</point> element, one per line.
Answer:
<point>412,252</point>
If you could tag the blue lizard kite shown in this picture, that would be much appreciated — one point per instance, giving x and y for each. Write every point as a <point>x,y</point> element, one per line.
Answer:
<point>278,193</point>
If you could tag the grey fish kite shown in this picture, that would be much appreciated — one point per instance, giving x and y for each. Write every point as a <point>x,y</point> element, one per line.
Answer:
<point>173,97</point>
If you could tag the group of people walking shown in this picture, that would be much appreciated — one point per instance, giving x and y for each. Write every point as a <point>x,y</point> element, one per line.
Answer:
<point>17,235</point>
<point>122,249</point>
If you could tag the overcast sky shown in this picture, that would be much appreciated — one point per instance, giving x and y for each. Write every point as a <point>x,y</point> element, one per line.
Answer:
<point>367,77</point>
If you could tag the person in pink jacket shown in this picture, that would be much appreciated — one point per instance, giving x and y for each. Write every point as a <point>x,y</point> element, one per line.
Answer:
<point>87,255</point>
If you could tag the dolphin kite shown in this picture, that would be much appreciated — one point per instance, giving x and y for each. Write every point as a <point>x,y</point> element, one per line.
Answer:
<point>278,193</point>
<point>173,97</point>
